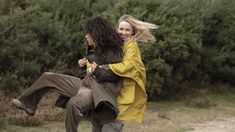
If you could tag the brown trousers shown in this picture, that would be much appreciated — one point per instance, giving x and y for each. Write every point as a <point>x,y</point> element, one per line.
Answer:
<point>83,102</point>
<point>80,102</point>
<point>63,84</point>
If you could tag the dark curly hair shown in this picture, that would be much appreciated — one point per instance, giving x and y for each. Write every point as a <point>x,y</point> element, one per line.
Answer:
<point>105,37</point>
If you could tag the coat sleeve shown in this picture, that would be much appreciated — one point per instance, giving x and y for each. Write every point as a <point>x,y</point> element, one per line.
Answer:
<point>80,72</point>
<point>104,74</point>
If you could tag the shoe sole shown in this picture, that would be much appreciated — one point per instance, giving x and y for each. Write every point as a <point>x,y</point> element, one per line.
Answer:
<point>21,106</point>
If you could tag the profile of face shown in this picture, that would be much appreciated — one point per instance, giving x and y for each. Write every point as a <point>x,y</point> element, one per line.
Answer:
<point>125,30</point>
<point>90,40</point>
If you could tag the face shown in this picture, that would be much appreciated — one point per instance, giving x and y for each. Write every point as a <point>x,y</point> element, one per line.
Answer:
<point>125,30</point>
<point>90,40</point>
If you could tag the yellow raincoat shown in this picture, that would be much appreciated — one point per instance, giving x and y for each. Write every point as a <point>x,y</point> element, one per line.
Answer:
<point>133,98</point>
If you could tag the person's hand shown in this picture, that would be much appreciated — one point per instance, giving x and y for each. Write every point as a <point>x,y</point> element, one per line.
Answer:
<point>82,62</point>
<point>93,66</point>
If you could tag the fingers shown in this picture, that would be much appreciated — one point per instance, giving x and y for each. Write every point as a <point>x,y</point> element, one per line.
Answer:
<point>93,66</point>
<point>82,62</point>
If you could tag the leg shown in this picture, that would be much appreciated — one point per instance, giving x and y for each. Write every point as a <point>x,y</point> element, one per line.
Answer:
<point>77,105</point>
<point>63,84</point>
<point>113,126</point>
<point>96,127</point>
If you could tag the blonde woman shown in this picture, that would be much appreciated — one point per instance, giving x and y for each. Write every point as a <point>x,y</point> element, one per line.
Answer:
<point>132,99</point>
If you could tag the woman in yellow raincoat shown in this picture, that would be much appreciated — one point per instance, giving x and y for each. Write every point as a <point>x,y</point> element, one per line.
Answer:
<point>133,98</point>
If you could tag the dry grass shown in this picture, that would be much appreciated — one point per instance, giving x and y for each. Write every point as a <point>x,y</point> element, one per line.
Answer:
<point>45,111</point>
<point>201,99</point>
<point>161,116</point>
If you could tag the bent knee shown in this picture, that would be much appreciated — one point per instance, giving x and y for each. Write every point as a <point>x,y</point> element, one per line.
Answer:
<point>71,103</point>
<point>86,95</point>
<point>48,74</point>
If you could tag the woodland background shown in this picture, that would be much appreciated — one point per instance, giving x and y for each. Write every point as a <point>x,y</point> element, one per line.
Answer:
<point>195,46</point>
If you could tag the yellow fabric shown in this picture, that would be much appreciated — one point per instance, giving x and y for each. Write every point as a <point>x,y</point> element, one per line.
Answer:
<point>88,65</point>
<point>133,98</point>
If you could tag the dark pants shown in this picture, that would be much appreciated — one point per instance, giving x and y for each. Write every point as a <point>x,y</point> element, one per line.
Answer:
<point>63,84</point>
<point>76,107</point>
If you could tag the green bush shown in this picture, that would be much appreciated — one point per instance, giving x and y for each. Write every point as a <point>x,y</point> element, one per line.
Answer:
<point>30,43</point>
<point>194,48</point>
<point>219,43</point>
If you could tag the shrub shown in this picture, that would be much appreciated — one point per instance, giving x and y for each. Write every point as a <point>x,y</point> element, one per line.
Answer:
<point>194,48</point>
<point>30,43</point>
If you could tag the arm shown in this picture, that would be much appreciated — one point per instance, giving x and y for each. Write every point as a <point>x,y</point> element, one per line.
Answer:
<point>104,74</point>
<point>129,66</point>
<point>131,63</point>
<point>80,72</point>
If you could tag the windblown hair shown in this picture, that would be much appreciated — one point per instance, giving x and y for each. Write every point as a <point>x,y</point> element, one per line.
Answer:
<point>105,37</point>
<point>141,29</point>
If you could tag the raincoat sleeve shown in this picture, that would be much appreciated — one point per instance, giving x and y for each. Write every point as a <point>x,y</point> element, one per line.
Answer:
<point>131,66</point>
<point>127,67</point>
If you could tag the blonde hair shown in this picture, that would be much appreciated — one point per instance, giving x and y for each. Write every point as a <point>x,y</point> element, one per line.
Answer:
<point>141,29</point>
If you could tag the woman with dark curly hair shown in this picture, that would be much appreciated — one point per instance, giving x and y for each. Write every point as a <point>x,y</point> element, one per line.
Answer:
<point>94,96</point>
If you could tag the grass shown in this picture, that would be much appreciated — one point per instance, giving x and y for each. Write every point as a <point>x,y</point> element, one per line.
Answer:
<point>160,116</point>
<point>48,126</point>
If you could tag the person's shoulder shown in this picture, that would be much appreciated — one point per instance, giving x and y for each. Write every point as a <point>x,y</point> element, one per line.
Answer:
<point>131,42</point>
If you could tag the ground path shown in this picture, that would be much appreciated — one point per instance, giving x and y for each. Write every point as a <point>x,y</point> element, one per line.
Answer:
<point>221,125</point>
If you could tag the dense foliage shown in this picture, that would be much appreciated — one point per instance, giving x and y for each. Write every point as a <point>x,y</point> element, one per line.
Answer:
<point>195,42</point>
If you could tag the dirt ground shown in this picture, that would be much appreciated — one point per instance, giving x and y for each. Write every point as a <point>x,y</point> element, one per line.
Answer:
<point>219,125</point>
<point>162,116</point>
<point>178,118</point>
